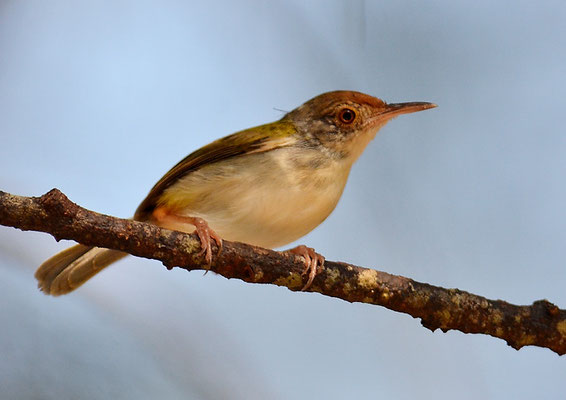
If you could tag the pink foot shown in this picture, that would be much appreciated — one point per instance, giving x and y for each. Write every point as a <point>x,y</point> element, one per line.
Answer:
<point>313,262</point>
<point>204,232</point>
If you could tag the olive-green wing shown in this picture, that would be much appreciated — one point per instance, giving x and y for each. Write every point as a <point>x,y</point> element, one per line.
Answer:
<point>254,140</point>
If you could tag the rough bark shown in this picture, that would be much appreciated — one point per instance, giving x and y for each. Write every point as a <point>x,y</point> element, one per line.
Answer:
<point>540,324</point>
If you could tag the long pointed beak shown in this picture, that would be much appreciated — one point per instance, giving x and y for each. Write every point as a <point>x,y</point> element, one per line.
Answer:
<point>395,109</point>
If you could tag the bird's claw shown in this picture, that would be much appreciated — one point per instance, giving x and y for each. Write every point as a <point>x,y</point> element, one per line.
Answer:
<point>313,263</point>
<point>205,233</point>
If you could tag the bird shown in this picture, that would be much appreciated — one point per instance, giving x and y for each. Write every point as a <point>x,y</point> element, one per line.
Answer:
<point>267,186</point>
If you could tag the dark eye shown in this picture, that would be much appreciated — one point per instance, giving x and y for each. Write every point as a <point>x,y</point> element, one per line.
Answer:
<point>347,115</point>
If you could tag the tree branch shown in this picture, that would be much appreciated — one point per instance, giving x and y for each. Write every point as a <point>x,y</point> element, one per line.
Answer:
<point>540,324</point>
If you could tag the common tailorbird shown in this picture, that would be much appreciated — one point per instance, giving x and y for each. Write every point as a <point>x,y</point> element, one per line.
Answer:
<point>267,186</point>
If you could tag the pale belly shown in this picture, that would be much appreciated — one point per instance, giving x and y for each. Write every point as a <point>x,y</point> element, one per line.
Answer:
<point>262,199</point>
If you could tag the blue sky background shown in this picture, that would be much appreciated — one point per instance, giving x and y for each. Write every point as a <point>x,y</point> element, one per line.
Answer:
<point>100,99</point>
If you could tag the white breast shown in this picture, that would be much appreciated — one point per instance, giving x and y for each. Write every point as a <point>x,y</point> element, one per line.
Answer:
<point>268,199</point>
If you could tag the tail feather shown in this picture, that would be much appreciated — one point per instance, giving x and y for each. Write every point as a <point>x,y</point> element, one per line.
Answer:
<point>69,269</point>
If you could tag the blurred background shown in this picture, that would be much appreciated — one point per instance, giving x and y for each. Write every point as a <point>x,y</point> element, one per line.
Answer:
<point>100,99</point>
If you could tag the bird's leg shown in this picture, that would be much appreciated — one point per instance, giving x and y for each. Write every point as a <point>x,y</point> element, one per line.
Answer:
<point>313,262</point>
<point>204,232</point>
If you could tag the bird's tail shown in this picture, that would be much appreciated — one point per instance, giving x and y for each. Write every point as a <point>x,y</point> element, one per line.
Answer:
<point>69,269</point>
